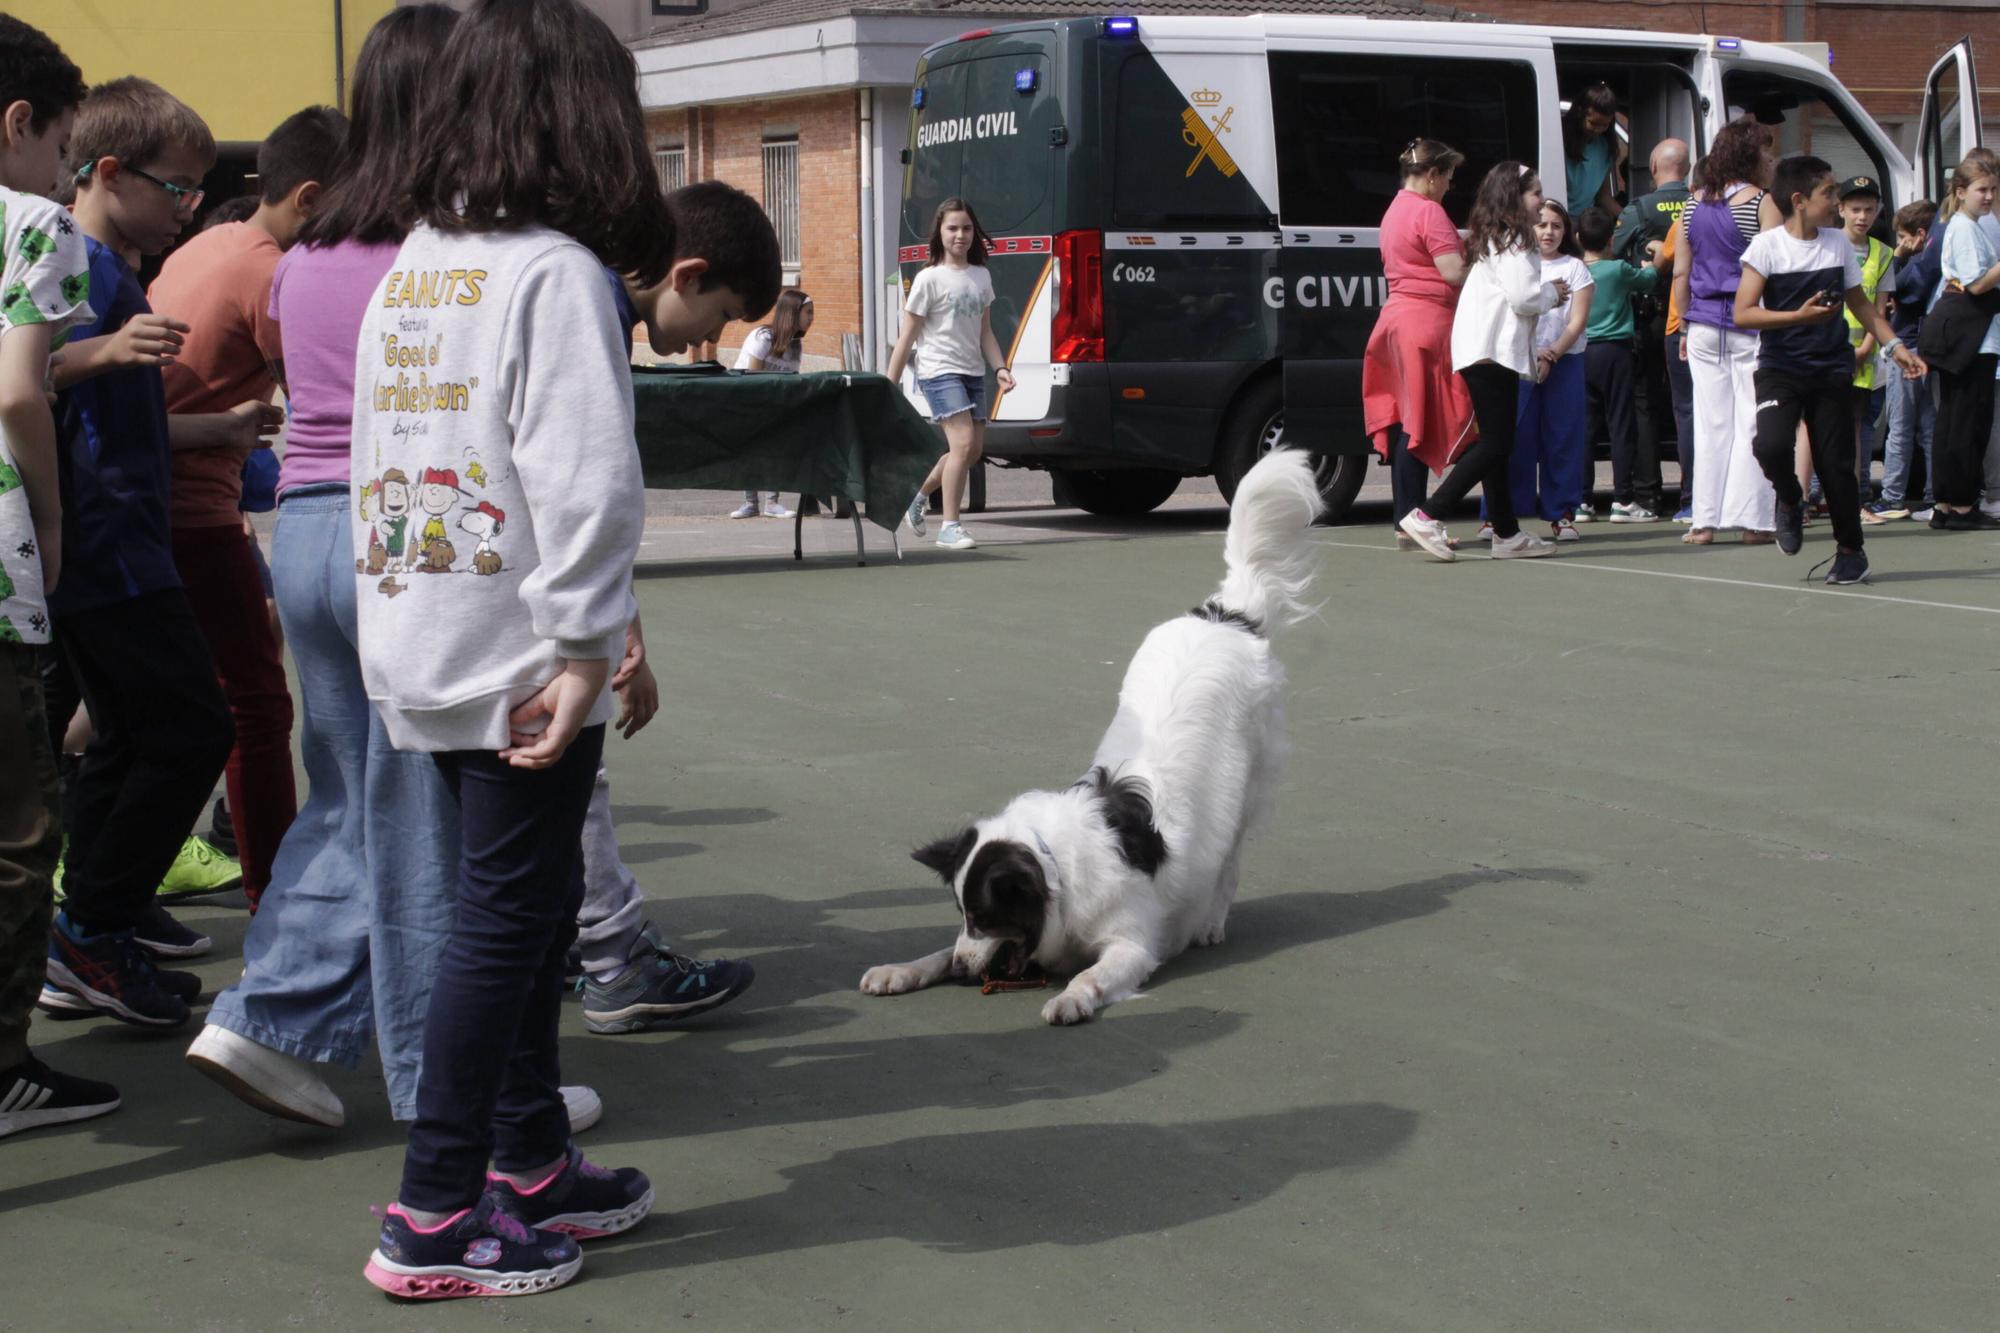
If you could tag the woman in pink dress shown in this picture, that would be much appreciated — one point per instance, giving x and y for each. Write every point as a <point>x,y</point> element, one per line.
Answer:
<point>1417,412</point>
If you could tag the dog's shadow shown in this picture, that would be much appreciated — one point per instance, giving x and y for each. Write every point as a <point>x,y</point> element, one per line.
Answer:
<point>1075,1184</point>
<point>1260,927</point>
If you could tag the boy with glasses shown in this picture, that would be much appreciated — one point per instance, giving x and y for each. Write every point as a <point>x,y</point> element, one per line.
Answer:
<point>122,622</point>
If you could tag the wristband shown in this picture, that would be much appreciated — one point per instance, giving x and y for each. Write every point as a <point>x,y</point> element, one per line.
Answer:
<point>1890,350</point>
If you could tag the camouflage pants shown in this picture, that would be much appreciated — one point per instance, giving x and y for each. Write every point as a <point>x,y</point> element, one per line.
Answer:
<point>30,843</point>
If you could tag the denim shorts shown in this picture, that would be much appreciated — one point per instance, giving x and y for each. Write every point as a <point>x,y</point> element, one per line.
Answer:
<point>949,395</point>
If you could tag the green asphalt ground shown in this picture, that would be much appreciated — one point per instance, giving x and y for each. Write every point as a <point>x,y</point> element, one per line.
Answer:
<point>1621,957</point>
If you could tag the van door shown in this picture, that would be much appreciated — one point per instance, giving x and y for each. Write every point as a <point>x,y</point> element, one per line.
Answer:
<point>979,130</point>
<point>1948,126</point>
<point>1344,111</point>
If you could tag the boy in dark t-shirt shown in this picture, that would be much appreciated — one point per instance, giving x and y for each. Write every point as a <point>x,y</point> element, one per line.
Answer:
<point>1796,279</point>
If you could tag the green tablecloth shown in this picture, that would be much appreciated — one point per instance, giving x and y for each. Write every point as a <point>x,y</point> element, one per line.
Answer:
<point>841,433</point>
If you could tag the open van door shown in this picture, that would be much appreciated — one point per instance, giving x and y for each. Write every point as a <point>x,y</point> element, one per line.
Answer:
<point>1948,126</point>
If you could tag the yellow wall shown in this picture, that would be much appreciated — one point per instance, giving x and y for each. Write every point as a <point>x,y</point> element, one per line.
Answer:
<point>243,64</point>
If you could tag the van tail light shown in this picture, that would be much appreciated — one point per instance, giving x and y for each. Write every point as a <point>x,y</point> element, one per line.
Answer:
<point>1078,328</point>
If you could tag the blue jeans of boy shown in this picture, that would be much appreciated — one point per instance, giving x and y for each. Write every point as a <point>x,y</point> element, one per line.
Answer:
<point>490,1082</point>
<point>350,931</point>
<point>1912,415</point>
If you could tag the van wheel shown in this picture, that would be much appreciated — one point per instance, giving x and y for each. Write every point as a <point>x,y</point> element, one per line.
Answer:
<point>1124,493</point>
<point>1257,426</point>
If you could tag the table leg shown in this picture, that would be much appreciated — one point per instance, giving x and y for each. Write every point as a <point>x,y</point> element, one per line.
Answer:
<point>860,547</point>
<point>798,533</point>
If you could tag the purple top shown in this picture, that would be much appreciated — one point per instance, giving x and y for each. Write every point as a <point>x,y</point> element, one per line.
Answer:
<point>1716,242</point>
<point>318,297</point>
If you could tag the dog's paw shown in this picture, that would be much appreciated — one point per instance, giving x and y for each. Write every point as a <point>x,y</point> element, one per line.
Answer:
<point>1209,936</point>
<point>891,979</point>
<point>1067,1008</point>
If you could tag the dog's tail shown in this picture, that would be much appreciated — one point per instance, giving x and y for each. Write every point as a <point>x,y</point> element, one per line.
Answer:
<point>1270,562</point>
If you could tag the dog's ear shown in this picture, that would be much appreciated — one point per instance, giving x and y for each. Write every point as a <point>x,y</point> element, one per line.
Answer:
<point>946,855</point>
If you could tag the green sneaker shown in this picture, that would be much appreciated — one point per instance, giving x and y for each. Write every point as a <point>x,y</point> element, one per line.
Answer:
<point>58,880</point>
<point>199,869</point>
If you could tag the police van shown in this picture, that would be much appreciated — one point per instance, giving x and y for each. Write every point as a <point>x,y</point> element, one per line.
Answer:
<point>1184,210</point>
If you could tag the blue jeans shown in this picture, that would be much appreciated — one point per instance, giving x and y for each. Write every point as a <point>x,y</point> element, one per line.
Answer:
<point>948,395</point>
<point>491,1071</point>
<point>1912,415</point>
<point>350,931</point>
<point>1551,454</point>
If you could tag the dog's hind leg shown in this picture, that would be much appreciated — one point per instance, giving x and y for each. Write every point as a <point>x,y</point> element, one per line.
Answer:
<point>1116,975</point>
<point>1212,930</point>
<point>896,978</point>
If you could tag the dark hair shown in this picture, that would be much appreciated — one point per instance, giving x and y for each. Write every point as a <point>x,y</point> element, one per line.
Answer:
<point>1597,97</point>
<point>362,198</point>
<point>135,120</point>
<point>230,210</point>
<point>1916,216</point>
<point>786,316</point>
<point>1496,224</point>
<point>981,242</point>
<point>1593,229</point>
<point>721,224</point>
<point>534,120</point>
<point>1421,156</point>
<point>1567,245</point>
<point>1797,175</point>
<point>34,70</point>
<point>303,148</point>
<point>1736,155</point>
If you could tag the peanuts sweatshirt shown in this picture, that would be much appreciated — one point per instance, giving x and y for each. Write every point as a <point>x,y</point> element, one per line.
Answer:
<point>497,493</point>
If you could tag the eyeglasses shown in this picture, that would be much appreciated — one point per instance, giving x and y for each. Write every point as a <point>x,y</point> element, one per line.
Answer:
<point>183,196</point>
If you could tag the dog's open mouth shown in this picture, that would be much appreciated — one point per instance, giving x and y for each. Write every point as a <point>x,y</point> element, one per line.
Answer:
<point>1012,968</point>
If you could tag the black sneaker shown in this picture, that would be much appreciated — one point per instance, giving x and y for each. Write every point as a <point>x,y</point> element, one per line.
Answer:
<point>221,829</point>
<point>1848,567</point>
<point>1942,519</point>
<point>480,1252</point>
<point>164,937</point>
<point>581,1199</point>
<point>113,974</point>
<point>33,1095</point>
<point>60,1005</point>
<point>1791,528</point>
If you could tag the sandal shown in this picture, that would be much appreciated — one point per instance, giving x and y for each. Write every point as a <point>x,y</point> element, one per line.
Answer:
<point>1698,537</point>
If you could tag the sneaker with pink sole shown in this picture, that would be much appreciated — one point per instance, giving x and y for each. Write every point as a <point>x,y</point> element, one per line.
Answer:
<point>578,1198</point>
<point>477,1251</point>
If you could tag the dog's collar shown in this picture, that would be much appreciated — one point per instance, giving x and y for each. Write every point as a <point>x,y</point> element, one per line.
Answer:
<point>1048,855</point>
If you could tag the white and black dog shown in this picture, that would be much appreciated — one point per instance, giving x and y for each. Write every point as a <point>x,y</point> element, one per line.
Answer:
<point>1122,871</point>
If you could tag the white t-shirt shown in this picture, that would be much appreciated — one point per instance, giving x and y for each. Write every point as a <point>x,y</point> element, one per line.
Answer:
<point>757,347</point>
<point>953,302</point>
<point>1550,325</point>
<point>1795,271</point>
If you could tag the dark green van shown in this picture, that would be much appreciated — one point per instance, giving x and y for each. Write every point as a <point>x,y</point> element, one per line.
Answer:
<point>1184,210</point>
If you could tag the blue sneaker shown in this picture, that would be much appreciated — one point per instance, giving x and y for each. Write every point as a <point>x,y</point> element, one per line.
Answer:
<point>578,1199</point>
<point>918,507</point>
<point>478,1251</point>
<point>1684,515</point>
<point>112,974</point>
<point>659,984</point>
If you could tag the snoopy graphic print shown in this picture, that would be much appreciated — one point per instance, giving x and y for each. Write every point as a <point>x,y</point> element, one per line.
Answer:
<point>497,496</point>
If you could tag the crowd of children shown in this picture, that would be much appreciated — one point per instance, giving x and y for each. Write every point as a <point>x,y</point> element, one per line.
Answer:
<point>1790,328</point>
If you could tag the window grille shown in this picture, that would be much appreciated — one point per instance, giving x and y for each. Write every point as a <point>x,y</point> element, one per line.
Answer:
<point>671,163</point>
<point>781,195</point>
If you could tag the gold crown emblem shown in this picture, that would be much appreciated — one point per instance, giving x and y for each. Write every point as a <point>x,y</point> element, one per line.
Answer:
<point>1206,97</point>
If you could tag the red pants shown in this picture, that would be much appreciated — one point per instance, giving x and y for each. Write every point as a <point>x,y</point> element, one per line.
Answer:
<point>227,595</point>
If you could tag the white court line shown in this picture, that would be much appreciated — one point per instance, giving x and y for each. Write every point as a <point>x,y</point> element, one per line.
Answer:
<point>1573,563</point>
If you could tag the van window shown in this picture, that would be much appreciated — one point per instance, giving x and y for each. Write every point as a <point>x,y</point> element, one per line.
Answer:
<point>979,138</point>
<point>1344,119</point>
<point>1159,178</point>
<point>1806,122</point>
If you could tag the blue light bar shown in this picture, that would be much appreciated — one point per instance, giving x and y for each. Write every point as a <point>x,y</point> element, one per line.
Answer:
<point>1728,44</point>
<point>917,98</point>
<point>1121,26</point>
<point>1025,80</point>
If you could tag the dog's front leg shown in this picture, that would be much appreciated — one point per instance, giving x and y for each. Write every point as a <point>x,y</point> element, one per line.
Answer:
<point>1118,972</point>
<point>896,978</point>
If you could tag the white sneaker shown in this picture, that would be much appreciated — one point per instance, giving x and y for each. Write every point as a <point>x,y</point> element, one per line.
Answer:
<point>1485,533</point>
<point>747,509</point>
<point>954,538</point>
<point>585,1107</point>
<point>270,1080</point>
<point>1990,508</point>
<point>1521,546</point>
<point>1563,530</point>
<point>776,509</point>
<point>1585,514</point>
<point>1632,513</point>
<point>1428,533</point>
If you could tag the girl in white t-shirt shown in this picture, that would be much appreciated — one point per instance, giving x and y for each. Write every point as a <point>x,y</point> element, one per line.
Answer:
<point>948,325</point>
<point>1551,465</point>
<point>775,347</point>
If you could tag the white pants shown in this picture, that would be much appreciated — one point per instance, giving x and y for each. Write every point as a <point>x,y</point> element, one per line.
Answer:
<point>1729,487</point>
